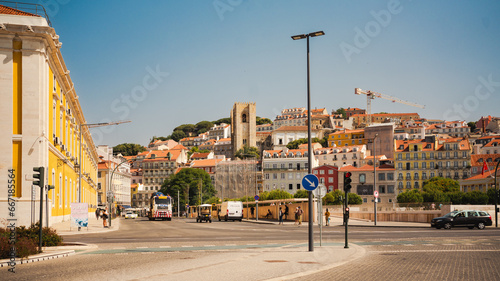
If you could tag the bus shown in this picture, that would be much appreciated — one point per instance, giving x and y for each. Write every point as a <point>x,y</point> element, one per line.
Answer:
<point>160,207</point>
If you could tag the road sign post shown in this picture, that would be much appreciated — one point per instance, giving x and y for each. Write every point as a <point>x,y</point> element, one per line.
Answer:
<point>310,182</point>
<point>256,207</point>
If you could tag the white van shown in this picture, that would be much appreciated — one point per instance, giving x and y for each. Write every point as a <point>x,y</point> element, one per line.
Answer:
<point>231,210</point>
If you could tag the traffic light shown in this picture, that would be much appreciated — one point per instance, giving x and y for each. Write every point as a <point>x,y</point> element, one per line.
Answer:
<point>39,176</point>
<point>347,182</point>
<point>347,212</point>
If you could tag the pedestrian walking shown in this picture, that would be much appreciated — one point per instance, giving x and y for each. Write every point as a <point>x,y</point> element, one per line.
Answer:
<point>296,216</point>
<point>252,210</point>
<point>281,216</point>
<point>300,216</point>
<point>104,218</point>
<point>286,212</point>
<point>97,213</point>
<point>327,217</point>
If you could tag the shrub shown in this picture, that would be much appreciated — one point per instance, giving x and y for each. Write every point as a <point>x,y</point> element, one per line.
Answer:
<point>27,240</point>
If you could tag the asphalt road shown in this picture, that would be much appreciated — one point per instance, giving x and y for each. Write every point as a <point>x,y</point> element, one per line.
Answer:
<point>144,250</point>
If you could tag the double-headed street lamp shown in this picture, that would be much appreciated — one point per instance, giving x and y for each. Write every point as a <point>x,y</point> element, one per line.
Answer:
<point>309,146</point>
<point>80,150</point>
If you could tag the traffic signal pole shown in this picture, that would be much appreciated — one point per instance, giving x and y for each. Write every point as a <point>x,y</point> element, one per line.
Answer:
<point>39,177</point>
<point>347,188</point>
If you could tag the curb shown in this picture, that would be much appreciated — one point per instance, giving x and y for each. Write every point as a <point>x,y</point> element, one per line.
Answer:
<point>38,257</point>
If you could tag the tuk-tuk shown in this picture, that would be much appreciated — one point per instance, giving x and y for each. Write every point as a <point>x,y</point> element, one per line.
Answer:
<point>204,213</point>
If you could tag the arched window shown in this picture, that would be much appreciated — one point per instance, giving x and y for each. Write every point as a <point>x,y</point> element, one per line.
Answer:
<point>244,118</point>
<point>66,192</point>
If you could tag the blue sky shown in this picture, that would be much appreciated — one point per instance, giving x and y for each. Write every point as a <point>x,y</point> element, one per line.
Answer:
<point>161,64</point>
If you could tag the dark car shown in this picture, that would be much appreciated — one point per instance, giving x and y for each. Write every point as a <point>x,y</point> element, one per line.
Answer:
<point>467,218</point>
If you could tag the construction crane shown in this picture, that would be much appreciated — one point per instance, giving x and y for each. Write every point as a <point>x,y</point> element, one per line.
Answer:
<point>370,95</point>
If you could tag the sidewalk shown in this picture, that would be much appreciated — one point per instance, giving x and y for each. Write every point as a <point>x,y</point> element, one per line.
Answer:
<point>94,226</point>
<point>337,221</point>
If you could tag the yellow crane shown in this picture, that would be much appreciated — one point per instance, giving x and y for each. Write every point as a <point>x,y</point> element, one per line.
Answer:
<point>370,95</point>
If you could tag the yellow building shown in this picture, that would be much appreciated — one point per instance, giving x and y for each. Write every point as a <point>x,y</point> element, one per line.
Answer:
<point>41,121</point>
<point>419,160</point>
<point>347,138</point>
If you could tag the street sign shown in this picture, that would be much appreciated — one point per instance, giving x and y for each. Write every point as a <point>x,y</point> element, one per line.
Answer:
<point>320,191</point>
<point>310,182</point>
<point>375,194</point>
<point>256,197</point>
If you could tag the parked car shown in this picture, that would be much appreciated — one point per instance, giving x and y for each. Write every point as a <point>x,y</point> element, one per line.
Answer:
<point>130,215</point>
<point>468,218</point>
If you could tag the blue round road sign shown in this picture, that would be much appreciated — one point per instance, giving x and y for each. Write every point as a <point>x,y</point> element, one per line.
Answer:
<point>310,182</point>
<point>257,197</point>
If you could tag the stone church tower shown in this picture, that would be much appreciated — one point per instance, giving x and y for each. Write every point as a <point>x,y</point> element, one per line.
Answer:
<point>243,125</point>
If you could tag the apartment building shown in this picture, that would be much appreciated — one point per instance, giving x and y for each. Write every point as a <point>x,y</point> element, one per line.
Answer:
<point>327,176</point>
<point>346,138</point>
<point>456,129</point>
<point>364,184</point>
<point>221,131</point>
<point>114,177</point>
<point>286,134</point>
<point>420,160</point>
<point>43,123</point>
<point>341,156</point>
<point>284,169</point>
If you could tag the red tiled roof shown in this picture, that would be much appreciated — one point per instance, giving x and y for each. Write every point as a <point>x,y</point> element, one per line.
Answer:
<point>293,128</point>
<point>205,163</point>
<point>11,11</point>
<point>487,174</point>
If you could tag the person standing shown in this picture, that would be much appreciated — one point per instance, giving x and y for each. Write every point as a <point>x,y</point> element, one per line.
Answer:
<point>296,216</point>
<point>281,216</point>
<point>327,217</point>
<point>300,215</point>
<point>286,212</point>
<point>252,210</point>
<point>97,213</point>
<point>104,218</point>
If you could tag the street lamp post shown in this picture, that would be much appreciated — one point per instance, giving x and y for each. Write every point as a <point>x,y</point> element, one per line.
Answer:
<point>110,183</point>
<point>309,145</point>
<point>95,125</point>
<point>375,199</point>
<point>496,196</point>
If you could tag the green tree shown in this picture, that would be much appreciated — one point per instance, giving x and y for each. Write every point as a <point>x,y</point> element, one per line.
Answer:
<point>223,120</point>
<point>354,199</point>
<point>342,112</point>
<point>301,193</point>
<point>324,141</point>
<point>475,198</point>
<point>472,126</point>
<point>261,121</point>
<point>247,152</point>
<point>328,199</point>
<point>491,196</point>
<point>190,183</point>
<point>203,126</point>
<point>188,129</point>
<point>456,197</point>
<point>295,144</point>
<point>278,194</point>
<point>411,196</point>
<point>128,149</point>
<point>178,135</point>
<point>441,184</point>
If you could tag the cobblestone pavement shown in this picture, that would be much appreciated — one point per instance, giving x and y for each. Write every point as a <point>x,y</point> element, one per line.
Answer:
<point>462,259</point>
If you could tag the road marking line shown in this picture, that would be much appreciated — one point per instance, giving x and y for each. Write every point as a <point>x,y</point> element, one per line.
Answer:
<point>165,247</point>
<point>187,246</point>
<point>408,245</point>
<point>122,248</point>
<point>141,247</point>
<point>209,246</point>
<point>428,244</point>
<point>230,244</point>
